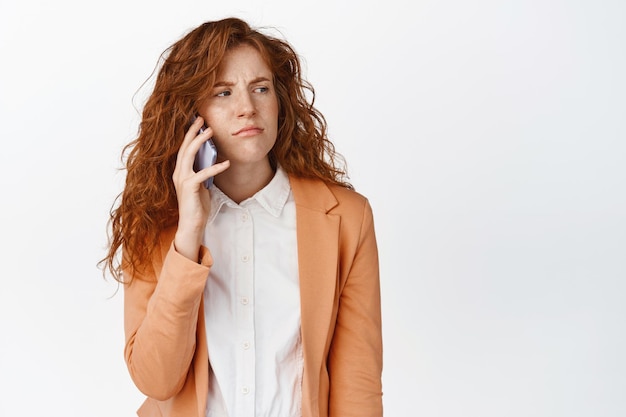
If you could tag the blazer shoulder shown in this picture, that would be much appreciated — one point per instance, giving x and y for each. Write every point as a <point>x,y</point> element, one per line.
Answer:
<point>347,195</point>
<point>323,196</point>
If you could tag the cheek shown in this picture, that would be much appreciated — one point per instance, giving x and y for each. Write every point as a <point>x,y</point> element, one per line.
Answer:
<point>212,114</point>
<point>215,122</point>
<point>272,112</point>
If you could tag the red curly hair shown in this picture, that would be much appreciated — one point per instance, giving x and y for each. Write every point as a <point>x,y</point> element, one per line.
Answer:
<point>188,72</point>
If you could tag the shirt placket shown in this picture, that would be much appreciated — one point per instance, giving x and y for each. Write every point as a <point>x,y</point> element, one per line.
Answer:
<point>245,313</point>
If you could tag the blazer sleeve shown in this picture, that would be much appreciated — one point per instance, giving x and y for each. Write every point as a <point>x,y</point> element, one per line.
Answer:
<point>161,309</point>
<point>355,356</point>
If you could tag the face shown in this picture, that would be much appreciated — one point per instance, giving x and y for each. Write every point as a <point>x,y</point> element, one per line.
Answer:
<point>242,108</point>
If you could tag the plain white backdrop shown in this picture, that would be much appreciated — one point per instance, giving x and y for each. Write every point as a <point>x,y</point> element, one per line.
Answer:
<point>488,135</point>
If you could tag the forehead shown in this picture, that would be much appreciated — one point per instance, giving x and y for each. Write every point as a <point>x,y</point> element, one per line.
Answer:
<point>243,61</point>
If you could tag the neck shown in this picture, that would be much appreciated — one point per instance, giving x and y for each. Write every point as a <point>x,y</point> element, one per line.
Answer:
<point>242,182</point>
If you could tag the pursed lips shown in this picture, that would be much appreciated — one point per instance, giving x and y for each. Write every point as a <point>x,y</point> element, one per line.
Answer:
<point>248,131</point>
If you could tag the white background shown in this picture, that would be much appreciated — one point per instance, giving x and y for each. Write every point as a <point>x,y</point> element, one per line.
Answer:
<point>488,135</point>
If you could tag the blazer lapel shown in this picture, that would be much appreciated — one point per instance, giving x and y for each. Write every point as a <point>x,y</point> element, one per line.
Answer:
<point>318,251</point>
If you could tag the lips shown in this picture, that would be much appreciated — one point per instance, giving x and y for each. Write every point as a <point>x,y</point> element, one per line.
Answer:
<point>248,131</point>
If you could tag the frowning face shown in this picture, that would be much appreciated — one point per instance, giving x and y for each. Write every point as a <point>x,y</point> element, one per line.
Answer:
<point>242,108</point>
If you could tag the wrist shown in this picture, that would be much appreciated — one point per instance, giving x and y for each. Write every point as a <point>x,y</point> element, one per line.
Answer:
<point>188,245</point>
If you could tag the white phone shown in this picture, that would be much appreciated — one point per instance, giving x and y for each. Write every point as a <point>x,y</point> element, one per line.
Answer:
<point>206,156</point>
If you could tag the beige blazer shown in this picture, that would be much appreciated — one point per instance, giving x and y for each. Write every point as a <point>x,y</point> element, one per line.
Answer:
<point>166,349</point>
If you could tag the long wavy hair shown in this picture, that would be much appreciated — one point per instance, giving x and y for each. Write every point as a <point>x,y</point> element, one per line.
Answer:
<point>188,71</point>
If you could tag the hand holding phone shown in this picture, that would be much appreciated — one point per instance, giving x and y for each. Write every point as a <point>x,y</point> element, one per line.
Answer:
<point>206,156</point>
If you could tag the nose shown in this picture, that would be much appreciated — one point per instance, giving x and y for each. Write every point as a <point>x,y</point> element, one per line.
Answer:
<point>245,105</point>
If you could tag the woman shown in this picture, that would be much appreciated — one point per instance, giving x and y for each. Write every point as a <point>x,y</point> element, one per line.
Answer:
<point>258,296</point>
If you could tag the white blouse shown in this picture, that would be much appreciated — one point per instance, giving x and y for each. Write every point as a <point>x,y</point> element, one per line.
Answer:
<point>252,305</point>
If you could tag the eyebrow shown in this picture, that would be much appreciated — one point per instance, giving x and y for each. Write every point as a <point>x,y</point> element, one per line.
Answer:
<point>230,83</point>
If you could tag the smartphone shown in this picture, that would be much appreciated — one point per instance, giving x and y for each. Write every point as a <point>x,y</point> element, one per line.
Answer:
<point>206,156</point>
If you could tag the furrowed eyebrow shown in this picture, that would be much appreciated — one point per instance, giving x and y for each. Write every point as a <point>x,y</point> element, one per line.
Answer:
<point>223,84</point>
<point>259,79</point>
<point>230,83</point>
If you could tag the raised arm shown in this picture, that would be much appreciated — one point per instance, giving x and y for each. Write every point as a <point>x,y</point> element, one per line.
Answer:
<point>161,311</point>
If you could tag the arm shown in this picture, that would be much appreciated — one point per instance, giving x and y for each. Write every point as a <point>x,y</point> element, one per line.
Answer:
<point>355,358</point>
<point>160,318</point>
<point>161,305</point>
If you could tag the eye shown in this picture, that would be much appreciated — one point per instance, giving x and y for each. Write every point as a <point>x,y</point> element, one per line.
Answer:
<point>262,89</point>
<point>223,93</point>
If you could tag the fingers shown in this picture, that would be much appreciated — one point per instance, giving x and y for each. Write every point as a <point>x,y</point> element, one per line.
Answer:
<point>192,133</point>
<point>191,144</point>
<point>212,171</point>
<point>184,172</point>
